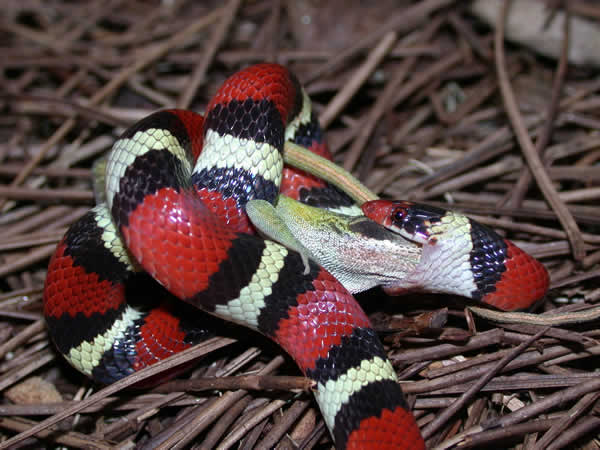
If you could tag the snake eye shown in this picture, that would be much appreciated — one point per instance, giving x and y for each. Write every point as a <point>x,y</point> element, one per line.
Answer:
<point>398,215</point>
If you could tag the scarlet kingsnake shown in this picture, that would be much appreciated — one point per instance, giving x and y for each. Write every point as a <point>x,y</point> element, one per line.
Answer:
<point>187,229</point>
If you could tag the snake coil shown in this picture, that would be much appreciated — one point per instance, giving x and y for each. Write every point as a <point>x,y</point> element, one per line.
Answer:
<point>184,224</point>
<point>176,188</point>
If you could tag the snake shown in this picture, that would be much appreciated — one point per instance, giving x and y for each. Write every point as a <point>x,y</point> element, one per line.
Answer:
<point>172,214</point>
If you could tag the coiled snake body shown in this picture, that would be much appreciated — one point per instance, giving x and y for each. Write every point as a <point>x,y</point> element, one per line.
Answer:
<point>185,225</point>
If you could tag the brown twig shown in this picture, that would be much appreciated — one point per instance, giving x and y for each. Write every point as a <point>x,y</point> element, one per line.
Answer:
<point>402,21</point>
<point>531,156</point>
<point>445,415</point>
<point>525,179</point>
<point>357,79</point>
<point>248,382</point>
<point>178,359</point>
<point>71,438</point>
<point>218,36</point>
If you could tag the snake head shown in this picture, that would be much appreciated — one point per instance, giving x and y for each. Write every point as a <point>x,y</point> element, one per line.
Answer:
<point>413,221</point>
<point>461,256</point>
